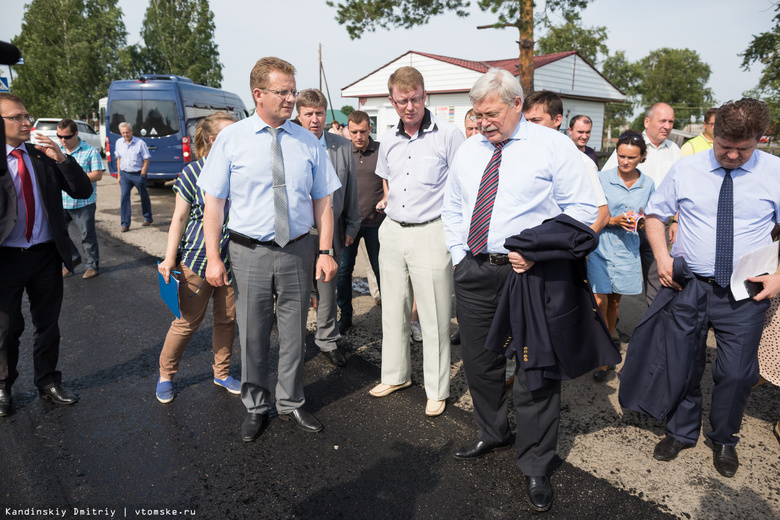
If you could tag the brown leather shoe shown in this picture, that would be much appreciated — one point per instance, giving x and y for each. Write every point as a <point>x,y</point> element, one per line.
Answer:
<point>90,273</point>
<point>125,229</point>
<point>147,223</point>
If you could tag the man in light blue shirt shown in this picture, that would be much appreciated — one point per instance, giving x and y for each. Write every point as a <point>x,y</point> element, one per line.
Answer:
<point>728,200</point>
<point>535,173</point>
<point>271,251</point>
<point>132,162</point>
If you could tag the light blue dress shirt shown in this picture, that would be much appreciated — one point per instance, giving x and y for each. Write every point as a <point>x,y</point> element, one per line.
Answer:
<point>693,186</point>
<point>41,231</point>
<point>239,166</point>
<point>615,265</point>
<point>131,155</point>
<point>541,176</point>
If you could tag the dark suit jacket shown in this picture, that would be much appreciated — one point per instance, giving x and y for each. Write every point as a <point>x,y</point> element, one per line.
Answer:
<point>661,354</point>
<point>346,212</point>
<point>548,315</point>
<point>52,179</point>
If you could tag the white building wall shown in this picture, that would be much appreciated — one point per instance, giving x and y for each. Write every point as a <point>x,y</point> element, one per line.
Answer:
<point>592,109</point>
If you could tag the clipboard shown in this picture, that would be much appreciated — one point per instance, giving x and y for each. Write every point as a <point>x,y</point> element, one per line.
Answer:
<point>169,292</point>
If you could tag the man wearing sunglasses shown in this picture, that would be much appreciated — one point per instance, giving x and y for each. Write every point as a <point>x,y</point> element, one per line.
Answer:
<point>33,247</point>
<point>279,180</point>
<point>81,211</point>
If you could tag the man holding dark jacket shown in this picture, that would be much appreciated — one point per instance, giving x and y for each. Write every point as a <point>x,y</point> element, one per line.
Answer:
<point>513,177</point>
<point>33,246</point>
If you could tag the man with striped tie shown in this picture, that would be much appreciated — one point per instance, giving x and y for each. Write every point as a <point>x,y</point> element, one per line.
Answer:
<point>513,177</point>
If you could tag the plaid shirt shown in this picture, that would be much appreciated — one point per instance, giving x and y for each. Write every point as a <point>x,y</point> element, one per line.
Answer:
<point>89,159</point>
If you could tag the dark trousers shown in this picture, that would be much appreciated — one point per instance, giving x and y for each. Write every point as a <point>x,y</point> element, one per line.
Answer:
<point>738,327</point>
<point>652,284</point>
<point>478,287</point>
<point>39,272</point>
<point>347,266</point>
<point>126,182</point>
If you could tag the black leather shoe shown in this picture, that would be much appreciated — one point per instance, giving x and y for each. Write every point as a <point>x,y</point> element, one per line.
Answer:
<point>479,449</point>
<point>668,448</point>
<point>455,339</point>
<point>303,420</point>
<point>6,402</point>
<point>345,323</point>
<point>335,357</point>
<point>726,460</point>
<point>58,394</point>
<point>540,494</point>
<point>252,426</point>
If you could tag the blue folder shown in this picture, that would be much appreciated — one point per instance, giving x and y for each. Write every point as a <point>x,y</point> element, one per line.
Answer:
<point>169,292</point>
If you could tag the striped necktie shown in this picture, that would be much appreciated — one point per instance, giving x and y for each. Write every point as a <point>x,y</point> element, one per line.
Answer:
<point>483,209</point>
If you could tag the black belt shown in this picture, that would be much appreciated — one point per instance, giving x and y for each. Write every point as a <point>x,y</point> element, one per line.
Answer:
<point>125,171</point>
<point>251,243</point>
<point>493,258</point>
<point>31,249</point>
<point>706,279</point>
<point>412,224</point>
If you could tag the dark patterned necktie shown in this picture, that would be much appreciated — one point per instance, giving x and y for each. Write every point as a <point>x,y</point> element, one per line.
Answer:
<point>483,208</point>
<point>27,192</point>
<point>724,232</point>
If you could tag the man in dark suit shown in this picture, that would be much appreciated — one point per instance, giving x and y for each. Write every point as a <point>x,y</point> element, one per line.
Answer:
<point>312,107</point>
<point>33,246</point>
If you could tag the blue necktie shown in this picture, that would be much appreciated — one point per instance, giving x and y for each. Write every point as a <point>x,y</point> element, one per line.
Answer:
<point>724,232</point>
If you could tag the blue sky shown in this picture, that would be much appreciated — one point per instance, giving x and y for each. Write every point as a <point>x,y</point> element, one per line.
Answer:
<point>247,30</point>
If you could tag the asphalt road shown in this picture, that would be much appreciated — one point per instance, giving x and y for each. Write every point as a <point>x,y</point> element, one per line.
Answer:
<point>119,453</point>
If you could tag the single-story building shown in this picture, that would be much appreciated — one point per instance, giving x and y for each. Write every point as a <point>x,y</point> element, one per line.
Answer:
<point>448,81</point>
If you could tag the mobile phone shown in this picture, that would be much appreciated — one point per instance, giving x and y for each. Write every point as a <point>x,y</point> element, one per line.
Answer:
<point>753,288</point>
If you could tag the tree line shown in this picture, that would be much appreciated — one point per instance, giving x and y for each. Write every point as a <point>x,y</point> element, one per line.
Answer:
<point>74,49</point>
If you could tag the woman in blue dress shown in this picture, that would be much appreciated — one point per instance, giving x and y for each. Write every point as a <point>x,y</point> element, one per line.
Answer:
<point>615,268</point>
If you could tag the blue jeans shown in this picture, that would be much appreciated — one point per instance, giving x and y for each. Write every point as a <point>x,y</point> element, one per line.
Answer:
<point>85,221</point>
<point>347,265</point>
<point>127,181</point>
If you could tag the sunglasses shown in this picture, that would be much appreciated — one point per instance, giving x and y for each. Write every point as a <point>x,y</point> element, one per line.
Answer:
<point>65,136</point>
<point>630,136</point>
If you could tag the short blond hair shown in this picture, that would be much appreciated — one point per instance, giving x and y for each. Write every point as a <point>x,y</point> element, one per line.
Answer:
<point>405,79</point>
<point>262,70</point>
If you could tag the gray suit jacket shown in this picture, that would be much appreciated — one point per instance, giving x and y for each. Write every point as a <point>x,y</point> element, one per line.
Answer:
<point>52,179</point>
<point>346,212</point>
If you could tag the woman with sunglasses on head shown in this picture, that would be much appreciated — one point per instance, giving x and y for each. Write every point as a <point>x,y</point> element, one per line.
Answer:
<point>615,268</point>
<point>186,256</point>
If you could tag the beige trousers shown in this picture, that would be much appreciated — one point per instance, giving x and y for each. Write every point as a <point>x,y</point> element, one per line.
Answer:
<point>415,263</point>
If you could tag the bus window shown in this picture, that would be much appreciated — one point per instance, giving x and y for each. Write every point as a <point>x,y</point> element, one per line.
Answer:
<point>150,118</point>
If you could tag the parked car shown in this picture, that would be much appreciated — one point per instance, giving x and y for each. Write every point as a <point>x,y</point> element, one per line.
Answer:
<point>48,127</point>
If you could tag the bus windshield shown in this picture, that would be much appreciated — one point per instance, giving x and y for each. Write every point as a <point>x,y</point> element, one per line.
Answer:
<point>150,118</point>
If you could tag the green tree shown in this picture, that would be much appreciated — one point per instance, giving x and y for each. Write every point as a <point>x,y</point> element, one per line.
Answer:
<point>677,77</point>
<point>626,76</point>
<point>366,15</point>
<point>70,50</point>
<point>347,109</point>
<point>765,49</point>
<point>571,36</point>
<point>179,39</point>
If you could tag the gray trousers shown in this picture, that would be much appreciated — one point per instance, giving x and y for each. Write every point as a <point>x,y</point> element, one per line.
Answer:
<point>327,310</point>
<point>85,221</point>
<point>261,275</point>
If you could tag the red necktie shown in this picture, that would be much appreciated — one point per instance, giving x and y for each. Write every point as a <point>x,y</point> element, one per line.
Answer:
<point>483,207</point>
<point>27,192</point>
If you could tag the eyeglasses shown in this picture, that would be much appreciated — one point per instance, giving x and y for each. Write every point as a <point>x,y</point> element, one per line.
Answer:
<point>414,101</point>
<point>284,93</point>
<point>490,115</point>
<point>65,136</point>
<point>20,119</point>
<point>630,136</point>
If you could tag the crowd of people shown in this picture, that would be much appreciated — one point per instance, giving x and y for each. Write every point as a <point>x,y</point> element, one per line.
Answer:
<point>514,218</point>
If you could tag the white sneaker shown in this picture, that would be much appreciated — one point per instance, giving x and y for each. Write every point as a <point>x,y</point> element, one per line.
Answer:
<point>416,331</point>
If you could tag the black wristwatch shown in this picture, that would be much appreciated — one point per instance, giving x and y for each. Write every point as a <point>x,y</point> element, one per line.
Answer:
<point>328,252</point>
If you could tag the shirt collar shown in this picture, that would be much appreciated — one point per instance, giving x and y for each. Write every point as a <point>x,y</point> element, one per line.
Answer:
<point>426,125</point>
<point>9,149</point>
<point>259,125</point>
<point>373,146</point>
<point>323,142</point>
<point>648,142</point>
<point>749,166</point>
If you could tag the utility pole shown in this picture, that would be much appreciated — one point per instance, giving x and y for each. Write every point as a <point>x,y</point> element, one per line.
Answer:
<point>320,67</point>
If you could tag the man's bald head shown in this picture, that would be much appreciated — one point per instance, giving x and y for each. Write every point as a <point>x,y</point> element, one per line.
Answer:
<point>659,122</point>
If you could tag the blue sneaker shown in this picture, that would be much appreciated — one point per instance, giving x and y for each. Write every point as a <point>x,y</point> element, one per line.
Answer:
<point>164,391</point>
<point>230,384</point>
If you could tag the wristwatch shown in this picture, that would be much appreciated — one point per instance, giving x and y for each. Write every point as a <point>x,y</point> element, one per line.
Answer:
<point>328,252</point>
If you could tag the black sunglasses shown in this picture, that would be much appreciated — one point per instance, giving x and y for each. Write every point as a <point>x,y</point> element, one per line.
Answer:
<point>630,136</point>
<point>65,136</point>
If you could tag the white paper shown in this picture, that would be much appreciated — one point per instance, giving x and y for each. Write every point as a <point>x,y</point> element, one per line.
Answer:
<point>757,262</point>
